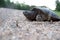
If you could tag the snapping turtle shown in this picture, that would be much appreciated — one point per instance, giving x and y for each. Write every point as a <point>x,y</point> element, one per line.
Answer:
<point>41,14</point>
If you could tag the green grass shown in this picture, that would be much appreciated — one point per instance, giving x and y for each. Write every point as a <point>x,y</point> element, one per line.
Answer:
<point>57,12</point>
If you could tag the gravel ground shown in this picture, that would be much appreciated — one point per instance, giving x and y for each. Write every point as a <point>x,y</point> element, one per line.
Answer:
<point>14,26</point>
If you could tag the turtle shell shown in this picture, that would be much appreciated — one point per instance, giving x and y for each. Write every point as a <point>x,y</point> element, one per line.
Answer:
<point>47,13</point>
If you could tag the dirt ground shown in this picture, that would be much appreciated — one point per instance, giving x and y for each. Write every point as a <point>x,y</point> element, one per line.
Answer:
<point>14,26</point>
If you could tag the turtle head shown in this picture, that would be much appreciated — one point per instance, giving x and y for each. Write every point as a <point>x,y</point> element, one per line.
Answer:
<point>29,14</point>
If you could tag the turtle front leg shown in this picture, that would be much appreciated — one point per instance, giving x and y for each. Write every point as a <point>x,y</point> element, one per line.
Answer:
<point>38,17</point>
